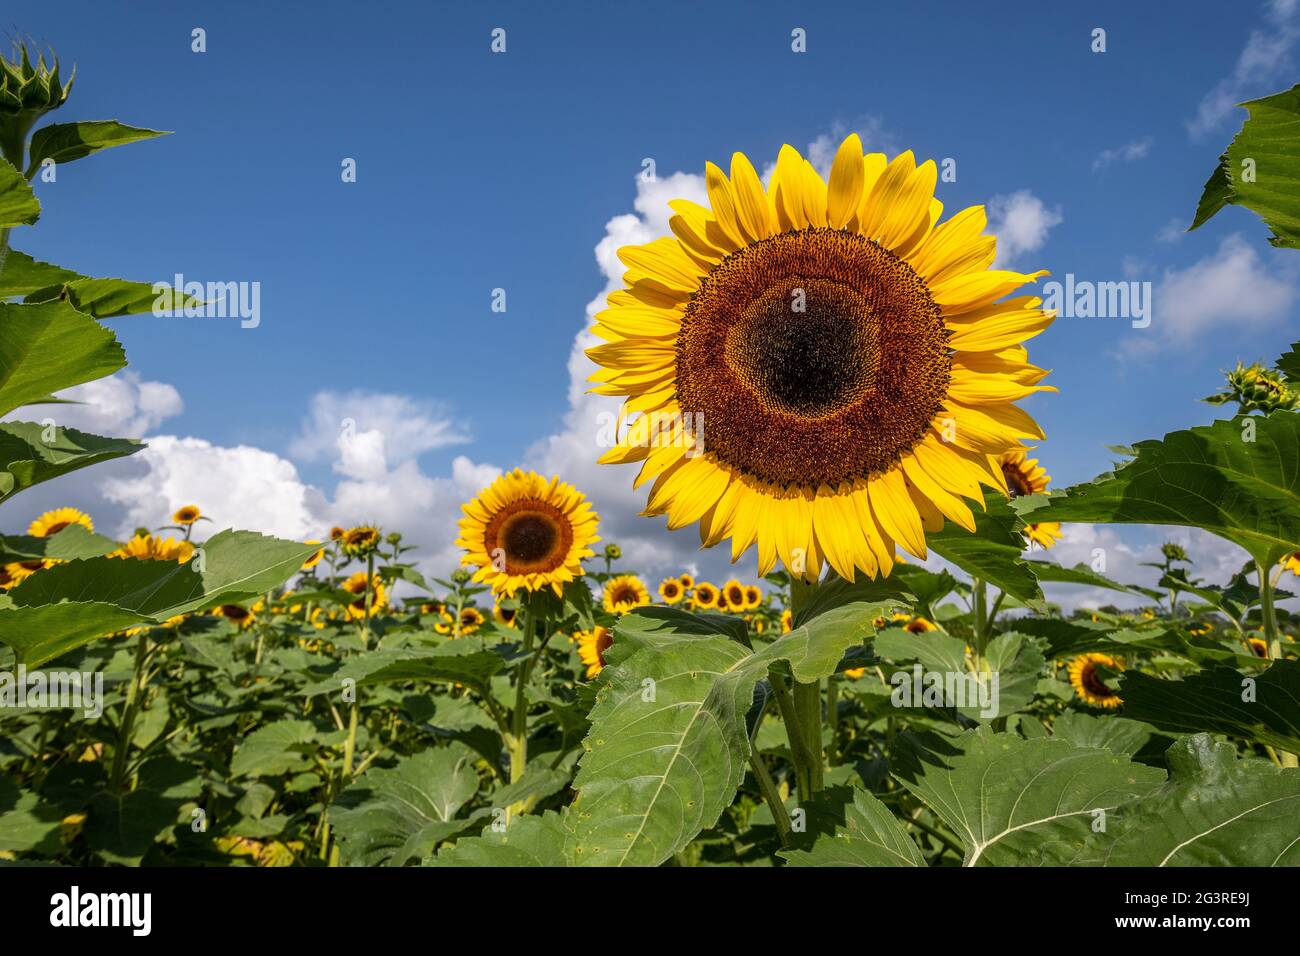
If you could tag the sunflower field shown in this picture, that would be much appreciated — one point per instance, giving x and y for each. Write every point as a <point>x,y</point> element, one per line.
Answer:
<point>818,374</point>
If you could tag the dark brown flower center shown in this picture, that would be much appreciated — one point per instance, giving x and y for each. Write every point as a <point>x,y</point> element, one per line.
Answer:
<point>532,536</point>
<point>813,357</point>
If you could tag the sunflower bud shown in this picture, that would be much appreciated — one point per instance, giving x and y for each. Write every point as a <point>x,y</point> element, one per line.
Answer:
<point>1256,388</point>
<point>613,552</point>
<point>1173,552</point>
<point>27,92</point>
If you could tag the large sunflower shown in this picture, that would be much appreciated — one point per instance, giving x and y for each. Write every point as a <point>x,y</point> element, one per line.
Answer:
<point>524,531</point>
<point>52,522</point>
<point>1024,476</point>
<point>823,370</point>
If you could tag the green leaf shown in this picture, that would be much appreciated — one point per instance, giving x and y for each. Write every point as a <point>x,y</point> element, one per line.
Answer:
<point>1259,169</point>
<point>1079,574</point>
<point>20,274</point>
<point>1289,364</point>
<point>463,661</point>
<point>64,142</point>
<point>1209,477</point>
<point>236,566</point>
<point>47,348</point>
<point>393,817</point>
<point>1212,701</point>
<point>1008,798</point>
<point>18,205</point>
<point>27,823</point>
<point>1215,810</point>
<point>123,827</point>
<point>1068,638</point>
<point>992,552</point>
<point>26,459</point>
<point>72,542</point>
<point>275,749</point>
<point>1116,734</point>
<point>668,745</point>
<point>870,836</point>
<point>535,841</point>
<point>109,298</point>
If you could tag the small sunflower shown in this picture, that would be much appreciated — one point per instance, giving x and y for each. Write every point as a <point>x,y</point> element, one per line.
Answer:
<point>524,531</point>
<point>670,589</point>
<point>1257,646</point>
<point>432,607</point>
<point>18,571</point>
<point>821,369</point>
<point>356,584</point>
<point>787,621</point>
<point>1025,476</point>
<point>592,646</point>
<point>624,593</point>
<point>360,541</point>
<point>236,614</point>
<point>336,533</point>
<point>52,522</point>
<point>705,595</point>
<point>471,619</point>
<point>753,597</point>
<point>853,673</point>
<point>1087,680</point>
<point>314,558</point>
<point>733,592</point>
<point>148,547</point>
<point>687,580</point>
<point>1292,563</point>
<point>505,616</point>
<point>187,515</point>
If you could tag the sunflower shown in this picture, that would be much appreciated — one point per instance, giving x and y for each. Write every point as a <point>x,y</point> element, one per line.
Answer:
<point>52,522</point>
<point>688,581</point>
<point>17,572</point>
<point>1024,476</point>
<point>705,595</point>
<point>821,369</point>
<point>670,589</point>
<point>1257,646</point>
<point>336,533</point>
<point>734,594</point>
<point>505,616</point>
<point>624,593</point>
<point>148,547</point>
<point>360,541</point>
<point>920,625</point>
<point>523,531</point>
<point>853,673</point>
<point>471,618</point>
<point>314,558</point>
<point>753,597</point>
<point>592,646</point>
<point>356,584</point>
<point>1088,683</point>
<point>787,621</point>
<point>187,515</point>
<point>432,607</point>
<point>236,614</point>
<point>1292,563</point>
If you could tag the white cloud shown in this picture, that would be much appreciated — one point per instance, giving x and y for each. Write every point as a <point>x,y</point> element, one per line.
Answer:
<point>122,405</point>
<point>870,129</point>
<point>1128,153</point>
<point>1172,232</point>
<point>1021,221</point>
<point>1262,64</point>
<point>1233,288</point>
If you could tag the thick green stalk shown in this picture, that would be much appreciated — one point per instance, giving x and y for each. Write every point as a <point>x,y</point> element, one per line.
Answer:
<point>807,701</point>
<point>134,691</point>
<point>770,795</point>
<point>518,739</point>
<point>1272,636</point>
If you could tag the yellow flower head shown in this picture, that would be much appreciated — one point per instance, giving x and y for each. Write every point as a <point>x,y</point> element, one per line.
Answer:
<point>148,547</point>
<point>314,558</point>
<point>1257,646</point>
<point>52,522</point>
<point>705,595</point>
<point>624,593</point>
<point>505,616</point>
<point>787,621</point>
<point>733,596</point>
<point>821,369</point>
<point>1087,677</point>
<point>187,515</point>
<point>236,614</point>
<point>687,580</point>
<point>524,531</point>
<point>591,648</point>
<point>671,590</point>
<point>753,597</point>
<point>356,584</point>
<point>361,541</point>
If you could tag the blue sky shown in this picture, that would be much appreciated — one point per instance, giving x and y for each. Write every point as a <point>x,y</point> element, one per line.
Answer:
<point>478,171</point>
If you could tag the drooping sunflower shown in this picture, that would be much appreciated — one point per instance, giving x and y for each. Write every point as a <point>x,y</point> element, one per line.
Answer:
<point>822,369</point>
<point>1025,476</point>
<point>705,595</point>
<point>187,515</point>
<point>1087,681</point>
<point>356,584</point>
<point>524,531</point>
<point>148,547</point>
<point>360,541</point>
<point>624,593</point>
<point>52,522</point>
<point>670,589</point>
<point>592,646</point>
<point>314,558</point>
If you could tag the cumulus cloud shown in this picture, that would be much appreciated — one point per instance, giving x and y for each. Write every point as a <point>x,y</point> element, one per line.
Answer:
<point>1263,64</point>
<point>122,405</point>
<point>1021,221</point>
<point>1233,288</point>
<point>1128,153</point>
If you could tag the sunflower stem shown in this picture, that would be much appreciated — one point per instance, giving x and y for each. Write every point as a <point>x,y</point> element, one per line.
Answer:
<point>518,741</point>
<point>979,595</point>
<point>1269,613</point>
<point>770,795</point>
<point>807,698</point>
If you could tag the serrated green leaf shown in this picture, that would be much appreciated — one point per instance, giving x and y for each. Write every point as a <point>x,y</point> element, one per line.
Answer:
<point>1006,797</point>
<point>50,347</point>
<point>1208,477</point>
<point>20,274</point>
<point>870,836</point>
<point>72,542</point>
<point>273,750</point>
<point>18,205</point>
<point>992,552</point>
<point>65,142</point>
<point>534,841</point>
<point>464,661</point>
<point>110,298</point>
<point>26,459</point>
